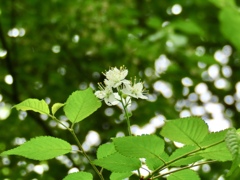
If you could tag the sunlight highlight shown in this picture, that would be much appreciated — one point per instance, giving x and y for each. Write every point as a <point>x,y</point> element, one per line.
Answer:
<point>176,9</point>
<point>8,79</point>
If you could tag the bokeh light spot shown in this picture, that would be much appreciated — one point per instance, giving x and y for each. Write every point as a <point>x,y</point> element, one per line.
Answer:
<point>176,9</point>
<point>8,79</point>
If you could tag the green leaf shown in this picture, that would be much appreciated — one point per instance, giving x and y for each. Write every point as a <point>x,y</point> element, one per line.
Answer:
<point>182,152</point>
<point>188,26</point>
<point>235,166</point>
<point>213,138</point>
<point>186,154</point>
<point>41,148</point>
<point>105,150</point>
<point>230,23</point>
<point>235,174</point>
<point>178,39</point>
<point>120,176</point>
<point>207,59</point>
<point>34,105</point>
<point>218,152</point>
<point>81,104</point>
<point>154,22</point>
<point>232,142</point>
<point>224,3</point>
<point>118,163</point>
<point>56,107</point>
<point>79,176</point>
<point>186,174</point>
<point>145,146</point>
<point>190,130</point>
<point>154,163</point>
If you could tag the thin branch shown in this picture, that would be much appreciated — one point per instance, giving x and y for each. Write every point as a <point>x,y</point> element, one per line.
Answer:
<point>182,168</point>
<point>85,154</point>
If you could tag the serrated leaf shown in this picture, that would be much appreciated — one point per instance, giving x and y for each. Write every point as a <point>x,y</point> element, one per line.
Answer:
<point>41,148</point>
<point>120,176</point>
<point>118,163</point>
<point>190,130</point>
<point>145,146</point>
<point>33,105</point>
<point>154,163</point>
<point>185,153</point>
<point>218,152</point>
<point>56,107</point>
<point>186,174</point>
<point>232,142</point>
<point>81,104</point>
<point>79,176</point>
<point>105,150</point>
<point>213,138</point>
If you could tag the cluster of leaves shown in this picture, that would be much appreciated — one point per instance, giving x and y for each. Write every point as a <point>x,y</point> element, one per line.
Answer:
<point>124,155</point>
<point>78,106</point>
<point>89,37</point>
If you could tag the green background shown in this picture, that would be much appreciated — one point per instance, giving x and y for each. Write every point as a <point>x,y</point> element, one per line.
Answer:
<point>52,48</point>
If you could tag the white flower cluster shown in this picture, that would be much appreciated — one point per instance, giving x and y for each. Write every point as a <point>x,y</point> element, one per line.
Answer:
<point>117,89</point>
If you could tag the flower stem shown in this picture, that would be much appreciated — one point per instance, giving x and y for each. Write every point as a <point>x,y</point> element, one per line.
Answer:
<point>85,154</point>
<point>125,105</point>
<point>128,122</point>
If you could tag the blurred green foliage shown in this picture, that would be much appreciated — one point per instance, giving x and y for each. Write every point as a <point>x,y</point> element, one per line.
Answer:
<point>53,48</point>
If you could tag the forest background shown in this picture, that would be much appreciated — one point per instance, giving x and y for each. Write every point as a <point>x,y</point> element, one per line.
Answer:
<point>186,52</point>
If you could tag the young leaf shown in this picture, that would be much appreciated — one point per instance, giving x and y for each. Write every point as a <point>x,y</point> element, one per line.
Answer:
<point>120,176</point>
<point>79,176</point>
<point>232,142</point>
<point>80,104</point>
<point>186,174</point>
<point>145,146</point>
<point>118,163</point>
<point>105,150</point>
<point>34,105</point>
<point>190,130</point>
<point>41,148</point>
<point>56,107</point>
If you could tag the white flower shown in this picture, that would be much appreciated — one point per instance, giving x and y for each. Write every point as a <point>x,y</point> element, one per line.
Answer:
<point>107,94</point>
<point>136,90</point>
<point>116,77</point>
<point>118,90</point>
